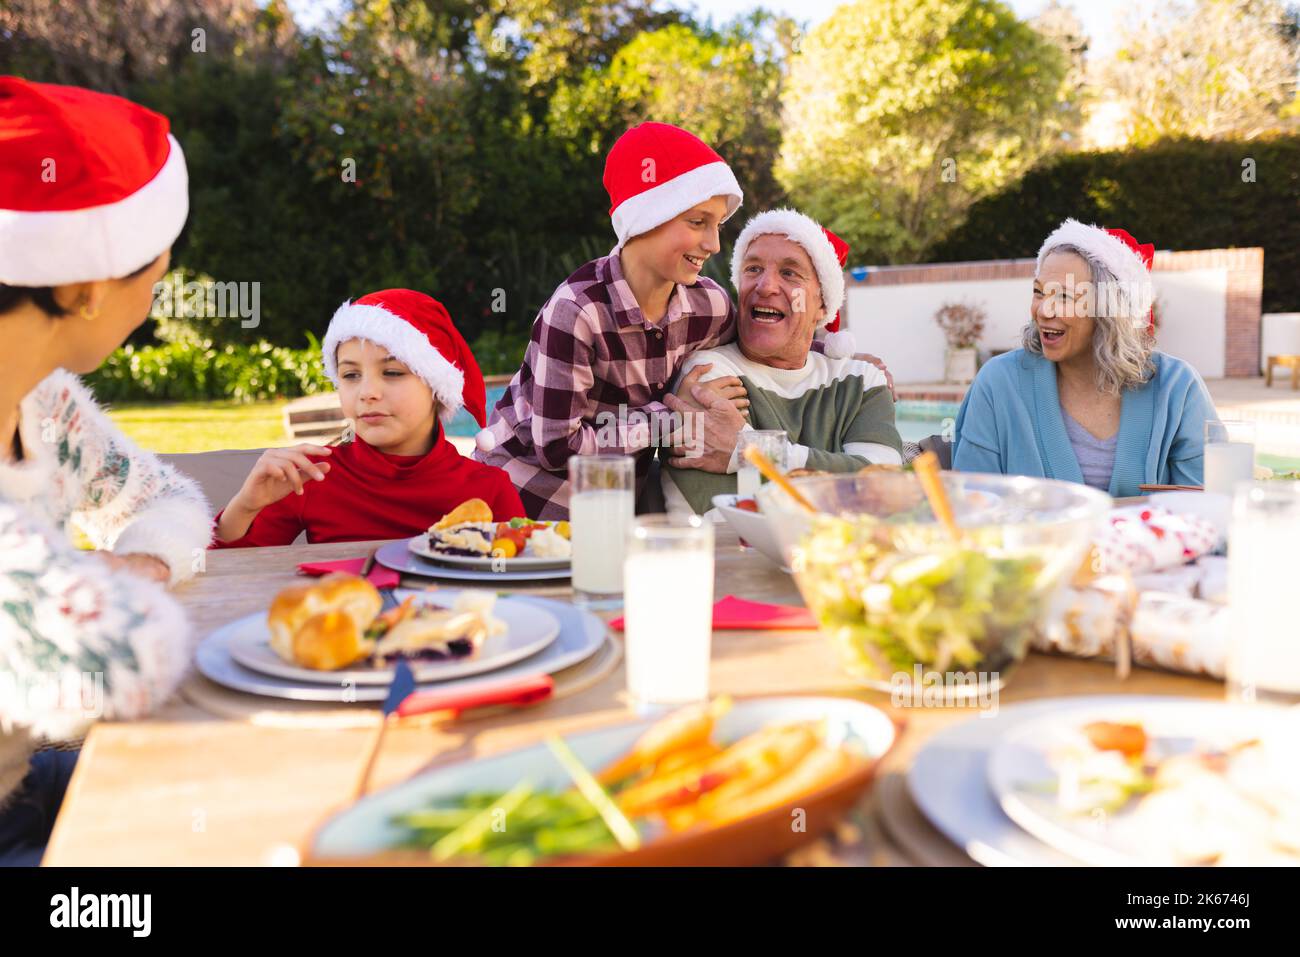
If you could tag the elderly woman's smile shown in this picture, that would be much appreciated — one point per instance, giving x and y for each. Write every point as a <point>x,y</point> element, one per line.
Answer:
<point>1061,307</point>
<point>1053,337</point>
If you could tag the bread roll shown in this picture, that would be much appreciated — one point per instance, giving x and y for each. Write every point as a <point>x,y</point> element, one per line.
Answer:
<point>349,595</point>
<point>329,641</point>
<point>352,595</point>
<point>293,606</point>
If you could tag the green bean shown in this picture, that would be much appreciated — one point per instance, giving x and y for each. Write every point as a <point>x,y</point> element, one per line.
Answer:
<point>511,829</point>
<point>510,855</point>
<point>470,835</point>
<point>436,818</point>
<point>574,840</point>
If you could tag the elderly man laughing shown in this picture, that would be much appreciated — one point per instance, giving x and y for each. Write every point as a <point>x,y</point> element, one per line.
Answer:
<point>836,410</point>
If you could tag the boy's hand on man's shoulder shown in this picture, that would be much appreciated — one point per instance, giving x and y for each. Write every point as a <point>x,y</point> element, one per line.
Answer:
<point>728,387</point>
<point>879,363</point>
<point>707,438</point>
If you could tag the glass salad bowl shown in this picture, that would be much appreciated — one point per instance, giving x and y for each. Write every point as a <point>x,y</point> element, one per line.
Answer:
<point>908,607</point>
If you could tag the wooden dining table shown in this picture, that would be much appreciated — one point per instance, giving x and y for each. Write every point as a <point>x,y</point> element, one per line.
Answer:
<point>188,787</point>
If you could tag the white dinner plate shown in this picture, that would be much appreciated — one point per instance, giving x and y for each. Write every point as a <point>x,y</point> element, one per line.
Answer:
<point>581,635</point>
<point>399,557</point>
<point>1024,773</point>
<point>528,631</point>
<point>419,544</point>
<point>948,780</point>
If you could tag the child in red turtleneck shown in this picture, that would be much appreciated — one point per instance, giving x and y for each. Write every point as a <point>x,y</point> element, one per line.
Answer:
<point>401,370</point>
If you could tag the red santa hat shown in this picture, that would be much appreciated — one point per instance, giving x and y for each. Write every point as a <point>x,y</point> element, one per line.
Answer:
<point>417,331</point>
<point>92,186</point>
<point>656,171</point>
<point>1129,261</point>
<point>828,253</point>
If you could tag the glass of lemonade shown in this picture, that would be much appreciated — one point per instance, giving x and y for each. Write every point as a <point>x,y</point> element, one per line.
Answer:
<point>1229,454</point>
<point>668,610</point>
<point>771,442</point>
<point>602,503</point>
<point>1263,654</point>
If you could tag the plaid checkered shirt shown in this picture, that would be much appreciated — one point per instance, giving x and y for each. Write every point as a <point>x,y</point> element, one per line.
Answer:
<point>594,377</point>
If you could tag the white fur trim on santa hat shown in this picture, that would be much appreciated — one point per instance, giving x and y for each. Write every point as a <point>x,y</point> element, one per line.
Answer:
<point>58,247</point>
<point>1126,265</point>
<point>803,230</point>
<point>655,206</point>
<point>840,344</point>
<point>404,342</point>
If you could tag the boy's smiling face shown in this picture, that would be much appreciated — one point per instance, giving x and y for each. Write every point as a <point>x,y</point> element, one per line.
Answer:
<point>676,250</point>
<point>393,409</point>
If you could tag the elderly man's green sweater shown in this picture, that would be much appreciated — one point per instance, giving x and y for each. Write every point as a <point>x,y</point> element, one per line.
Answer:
<point>837,415</point>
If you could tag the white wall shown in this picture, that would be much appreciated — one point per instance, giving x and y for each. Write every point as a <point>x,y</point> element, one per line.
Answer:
<point>897,322</point>
<point>1193,318</point>
<point>1280,336</point>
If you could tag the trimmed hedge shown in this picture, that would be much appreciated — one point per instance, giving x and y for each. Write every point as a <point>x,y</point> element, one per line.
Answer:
<point>197,370</point>
<point>1178,194</point>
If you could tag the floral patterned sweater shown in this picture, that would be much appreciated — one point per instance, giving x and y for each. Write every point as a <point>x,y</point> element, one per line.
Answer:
<point>79,640</point>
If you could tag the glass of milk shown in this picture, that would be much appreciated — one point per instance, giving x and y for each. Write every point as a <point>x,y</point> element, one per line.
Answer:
<point>668,610</point>
<point>1263,653</point>
<point>602,502</point>
<point>771,442</point>
<point>1229,454</point>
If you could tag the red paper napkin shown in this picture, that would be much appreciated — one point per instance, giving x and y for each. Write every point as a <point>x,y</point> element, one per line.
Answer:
<point>738,614</point>
<point>379,576</point>
<point>516,692</point>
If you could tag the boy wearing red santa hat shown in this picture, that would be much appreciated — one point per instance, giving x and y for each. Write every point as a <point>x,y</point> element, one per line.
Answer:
<point>610,341</point>
<point>402,371</point>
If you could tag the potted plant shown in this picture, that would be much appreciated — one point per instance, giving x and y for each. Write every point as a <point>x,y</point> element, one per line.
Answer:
<point>962,324</point>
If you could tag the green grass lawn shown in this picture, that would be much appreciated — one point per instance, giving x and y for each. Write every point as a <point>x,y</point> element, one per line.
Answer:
<point>171,427</point>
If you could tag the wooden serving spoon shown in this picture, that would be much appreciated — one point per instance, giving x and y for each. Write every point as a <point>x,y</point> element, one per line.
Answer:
<point>761,462</point>
<point>926,467</point>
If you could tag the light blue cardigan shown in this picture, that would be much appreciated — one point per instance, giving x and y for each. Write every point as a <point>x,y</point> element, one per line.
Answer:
<point>1011,423</point>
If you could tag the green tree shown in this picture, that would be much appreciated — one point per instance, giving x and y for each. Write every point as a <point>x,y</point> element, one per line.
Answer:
<point>556,40</point>
<point>1215,69</point>
<point>1211,206</point>
<point>901,113</point>
<point>1059,23</point>
<point>724,86</point>
<point>117,45</point>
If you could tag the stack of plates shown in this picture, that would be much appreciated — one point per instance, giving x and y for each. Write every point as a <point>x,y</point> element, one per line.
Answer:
<point>990,786</point>
<point>542,636</point>
<point>414,557</point>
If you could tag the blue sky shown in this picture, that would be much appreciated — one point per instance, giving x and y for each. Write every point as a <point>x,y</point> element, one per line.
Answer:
<point>1098,16</point>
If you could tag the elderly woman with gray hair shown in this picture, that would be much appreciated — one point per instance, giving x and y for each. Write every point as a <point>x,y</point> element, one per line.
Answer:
<point>1088,398</point>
